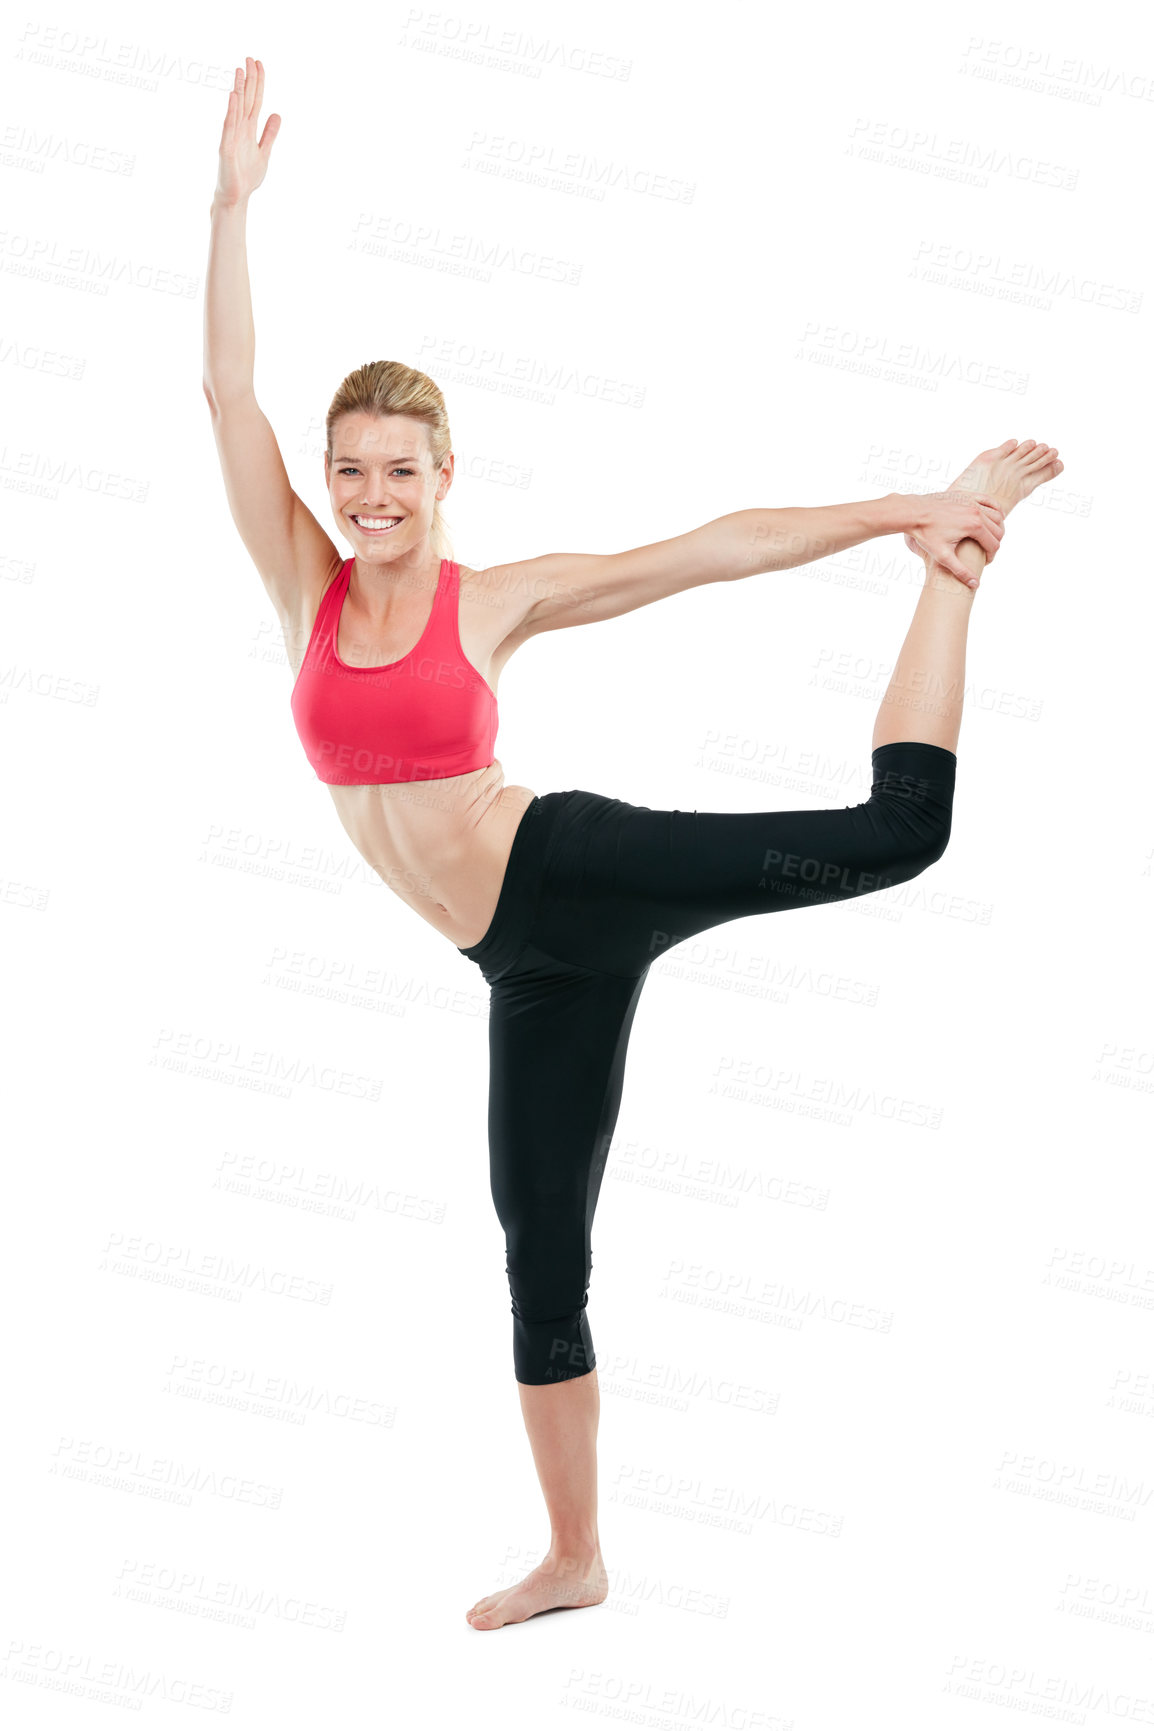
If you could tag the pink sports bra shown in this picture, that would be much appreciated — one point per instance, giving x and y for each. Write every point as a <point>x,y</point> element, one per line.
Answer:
<point>422,718</point>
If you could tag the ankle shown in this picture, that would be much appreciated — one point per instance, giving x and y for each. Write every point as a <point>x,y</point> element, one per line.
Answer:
<point>574,1547</point>
<point>937,577</point>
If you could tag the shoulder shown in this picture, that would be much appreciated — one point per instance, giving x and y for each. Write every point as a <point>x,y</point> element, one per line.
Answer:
<point>519,584</point>
<point>503,596</point>
<point>504,589</point>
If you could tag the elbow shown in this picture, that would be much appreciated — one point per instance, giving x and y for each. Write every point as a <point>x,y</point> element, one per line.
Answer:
<point>226,397</point>
<point>751,546</point>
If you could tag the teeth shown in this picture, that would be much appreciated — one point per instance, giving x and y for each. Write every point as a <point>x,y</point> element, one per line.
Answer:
<point>377,522</point>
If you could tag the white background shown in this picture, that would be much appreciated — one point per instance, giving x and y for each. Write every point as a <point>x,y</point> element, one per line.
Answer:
<point>874,1335</point>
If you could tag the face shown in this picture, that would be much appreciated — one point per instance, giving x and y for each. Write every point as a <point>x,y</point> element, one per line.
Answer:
<point>381,469</point>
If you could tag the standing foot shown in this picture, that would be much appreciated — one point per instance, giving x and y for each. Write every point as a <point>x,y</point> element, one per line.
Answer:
<point>558,1583</point>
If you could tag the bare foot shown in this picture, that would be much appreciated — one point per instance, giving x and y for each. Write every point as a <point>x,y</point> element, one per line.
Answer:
<point>564,1583</point>
<point>1009,473</point>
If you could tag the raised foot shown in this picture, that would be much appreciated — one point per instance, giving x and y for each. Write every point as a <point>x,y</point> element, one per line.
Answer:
<point>1010,471</point>
<point>558,1583</point>
<point>1007,475</point>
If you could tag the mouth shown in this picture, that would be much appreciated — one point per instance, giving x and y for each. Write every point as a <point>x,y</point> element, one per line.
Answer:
<point>377,525</point>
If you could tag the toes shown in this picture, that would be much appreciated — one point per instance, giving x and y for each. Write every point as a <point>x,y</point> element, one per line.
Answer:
<point>1026,446</point>
<point>1006,447</point>
<point>486,1612</point>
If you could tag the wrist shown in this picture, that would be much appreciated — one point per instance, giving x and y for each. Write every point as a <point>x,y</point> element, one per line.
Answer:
<point>222,206</point>
<point>894,514</point>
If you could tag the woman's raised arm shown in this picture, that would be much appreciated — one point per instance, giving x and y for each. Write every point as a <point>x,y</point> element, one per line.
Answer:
<point>229,340</point>
<point>287,545</point>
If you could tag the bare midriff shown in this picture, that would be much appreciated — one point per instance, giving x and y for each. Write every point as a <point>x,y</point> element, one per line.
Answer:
<point>442,846</point>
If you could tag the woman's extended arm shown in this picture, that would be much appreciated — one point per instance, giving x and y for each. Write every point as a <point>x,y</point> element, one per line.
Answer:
<point>583,588</point>
<point>781,537</point>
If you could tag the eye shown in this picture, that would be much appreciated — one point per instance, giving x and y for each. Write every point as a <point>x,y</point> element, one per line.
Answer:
<point>353,471</point>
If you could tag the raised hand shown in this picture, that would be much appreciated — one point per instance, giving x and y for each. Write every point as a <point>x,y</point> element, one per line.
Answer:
<point>244,162</point>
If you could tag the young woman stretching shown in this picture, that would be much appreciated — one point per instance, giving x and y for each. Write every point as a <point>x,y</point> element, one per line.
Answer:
<point>563,900</point>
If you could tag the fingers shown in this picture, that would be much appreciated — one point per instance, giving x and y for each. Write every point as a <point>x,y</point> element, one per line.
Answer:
<point>988,534</point>
<point>946,556</point>
<point>956,569</point>
<point>986,525</point>
<point>985,537</point>
<point>249,86</point>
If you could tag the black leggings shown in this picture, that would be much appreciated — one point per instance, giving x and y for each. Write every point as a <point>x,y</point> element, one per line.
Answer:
<point>594,891</point>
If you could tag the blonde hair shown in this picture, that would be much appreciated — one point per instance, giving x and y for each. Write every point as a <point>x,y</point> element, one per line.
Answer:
<point>391,388</point>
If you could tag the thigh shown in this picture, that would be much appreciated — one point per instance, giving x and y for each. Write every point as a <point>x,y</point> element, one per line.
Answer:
<point>626,883</point>
<point>558,1035</point>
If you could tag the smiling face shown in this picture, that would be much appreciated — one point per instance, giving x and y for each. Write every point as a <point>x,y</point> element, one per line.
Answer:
<point>382,484</point>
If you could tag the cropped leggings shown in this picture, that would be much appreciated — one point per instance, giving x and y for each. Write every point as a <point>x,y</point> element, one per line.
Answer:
<point>594,891</point>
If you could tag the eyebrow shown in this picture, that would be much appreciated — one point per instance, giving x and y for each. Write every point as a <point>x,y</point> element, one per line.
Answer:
<point>407,457</point>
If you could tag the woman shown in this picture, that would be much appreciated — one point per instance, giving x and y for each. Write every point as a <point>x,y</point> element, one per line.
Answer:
<point>562,900</point>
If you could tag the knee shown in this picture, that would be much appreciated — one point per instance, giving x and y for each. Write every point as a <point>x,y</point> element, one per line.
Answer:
<point>914,844</point>
<point>913,793</point>
<point>928,842</point>
<point>548,1274</point>
<point>551,1349</point>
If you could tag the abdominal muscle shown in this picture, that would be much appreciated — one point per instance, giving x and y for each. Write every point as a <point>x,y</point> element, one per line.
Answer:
<point>442,846</point>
